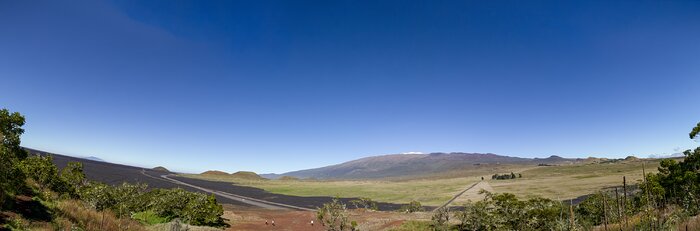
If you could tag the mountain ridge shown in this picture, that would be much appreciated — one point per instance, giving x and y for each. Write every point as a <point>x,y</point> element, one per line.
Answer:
<point>399,165</point>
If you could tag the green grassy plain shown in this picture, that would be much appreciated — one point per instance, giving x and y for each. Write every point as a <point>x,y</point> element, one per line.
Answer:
<point>555,182</point>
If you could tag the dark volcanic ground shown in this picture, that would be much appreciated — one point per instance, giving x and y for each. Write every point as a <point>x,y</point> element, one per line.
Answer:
<point>115,174</point>
<point>306,202</point>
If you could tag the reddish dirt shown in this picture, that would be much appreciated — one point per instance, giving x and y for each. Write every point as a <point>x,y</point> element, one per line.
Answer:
<point>246,218</point>
<point>255,219</point>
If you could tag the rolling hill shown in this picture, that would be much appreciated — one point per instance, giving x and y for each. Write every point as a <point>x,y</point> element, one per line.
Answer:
<point>401,165</point>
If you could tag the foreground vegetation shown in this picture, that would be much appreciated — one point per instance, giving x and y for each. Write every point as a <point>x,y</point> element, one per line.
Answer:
<point>34,194</point>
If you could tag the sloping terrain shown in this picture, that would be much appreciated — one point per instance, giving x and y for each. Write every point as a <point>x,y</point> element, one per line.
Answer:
<point>402,165</point>
<point>214,172</point>
<point>115,174</point>
<point>247,175</point>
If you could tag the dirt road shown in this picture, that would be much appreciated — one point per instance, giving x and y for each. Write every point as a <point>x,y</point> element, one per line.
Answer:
<point>482,184</point>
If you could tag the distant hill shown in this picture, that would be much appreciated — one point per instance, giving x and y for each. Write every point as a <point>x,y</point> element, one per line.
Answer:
<point>399,165</point>
<point>93,158</point>
<point>247,175</point>
<point>214,172</point>
<point>161,169</point>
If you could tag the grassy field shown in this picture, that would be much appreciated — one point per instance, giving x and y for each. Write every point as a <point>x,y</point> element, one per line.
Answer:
<point>564,182</point>
<point>425,191</point>
<point>555,182</point>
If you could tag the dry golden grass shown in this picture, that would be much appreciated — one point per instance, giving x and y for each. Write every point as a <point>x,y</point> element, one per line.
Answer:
<point>571,181</point>
<point>88,219</point>
<point>692,224</point>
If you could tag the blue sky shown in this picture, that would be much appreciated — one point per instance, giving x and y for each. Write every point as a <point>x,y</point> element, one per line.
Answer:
<point>275,86</point>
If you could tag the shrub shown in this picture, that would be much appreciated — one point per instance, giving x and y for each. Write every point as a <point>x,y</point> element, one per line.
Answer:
<point>333,216</point>
<point>169,203</point>
<point>74,177</point>
<point>506,212</point>
<point>364,202</point>
<point>411,207</point>
<point>203,210</point>
<point>506,176</point>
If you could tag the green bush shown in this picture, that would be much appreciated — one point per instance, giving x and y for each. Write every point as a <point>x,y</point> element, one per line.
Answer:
<point>202,210</point>
<point>364,202</point>
<point>333,216</point>
<point>169,204</point>
<point>411,207</point>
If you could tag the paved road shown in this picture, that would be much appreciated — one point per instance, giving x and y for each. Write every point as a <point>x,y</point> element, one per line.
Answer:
<point>243,199</point>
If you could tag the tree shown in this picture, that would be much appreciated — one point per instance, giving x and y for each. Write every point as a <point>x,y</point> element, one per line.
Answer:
<point>334,216</point>
<point>11,153</point>
<point>74,177</point>
<point>679,182</point>
<point>42,170</point>
<point>695,131</point>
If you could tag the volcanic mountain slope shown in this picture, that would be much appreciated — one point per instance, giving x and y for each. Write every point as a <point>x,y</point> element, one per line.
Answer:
<point>400,165</point>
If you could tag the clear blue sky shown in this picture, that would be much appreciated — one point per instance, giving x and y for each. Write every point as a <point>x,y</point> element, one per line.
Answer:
<point>274,86</point>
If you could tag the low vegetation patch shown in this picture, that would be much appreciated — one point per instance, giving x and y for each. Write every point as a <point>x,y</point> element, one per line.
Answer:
<point>506,176</point>
<point>149,217</point>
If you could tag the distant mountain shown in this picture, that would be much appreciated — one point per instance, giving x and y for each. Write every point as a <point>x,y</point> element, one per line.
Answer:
<point>399,165</point>
<point>93,158</point>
